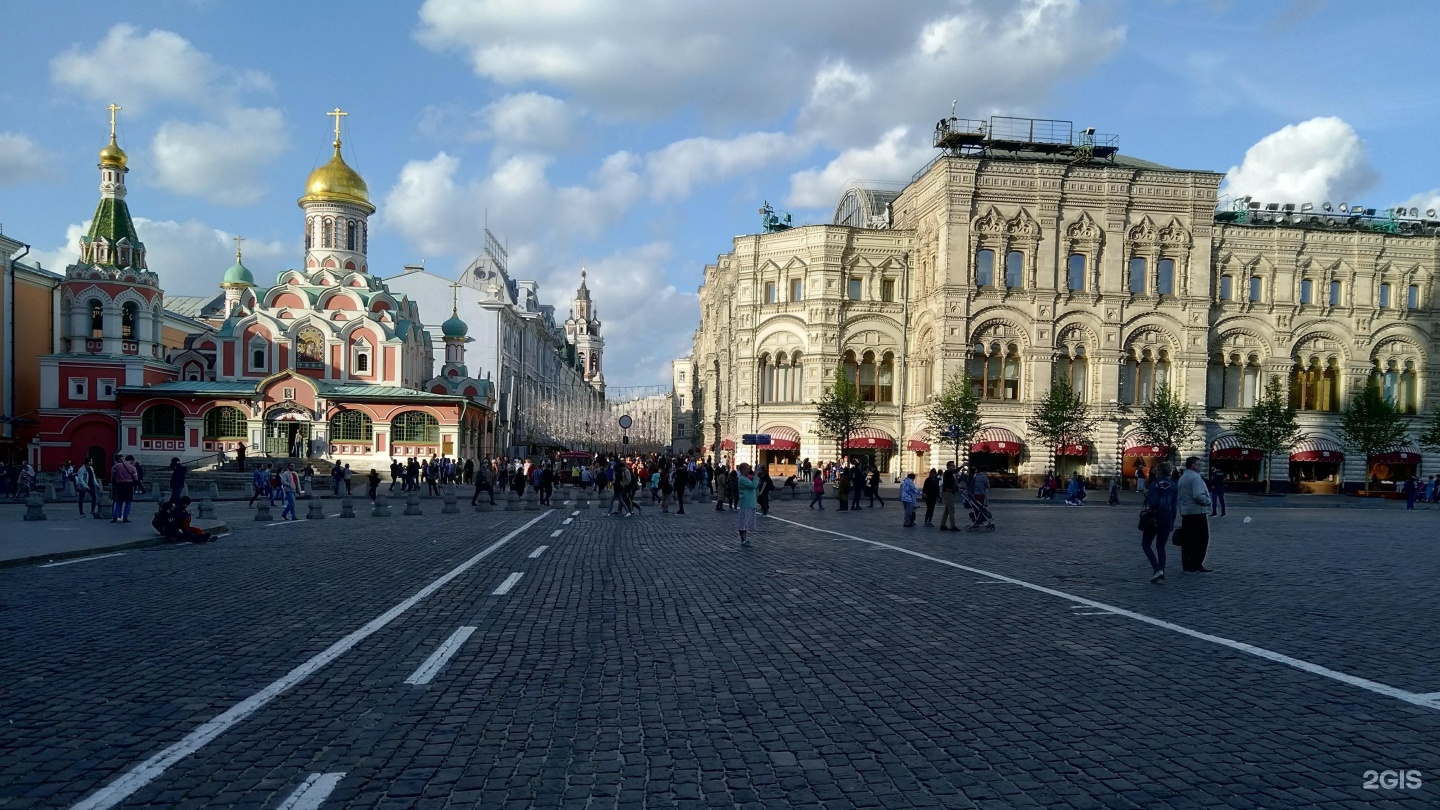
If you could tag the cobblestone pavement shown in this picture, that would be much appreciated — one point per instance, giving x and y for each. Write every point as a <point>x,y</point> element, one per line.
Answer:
<point>651,662</point>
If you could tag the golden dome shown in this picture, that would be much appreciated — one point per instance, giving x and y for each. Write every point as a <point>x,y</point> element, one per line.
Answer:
<point>337,182</point>
<point>113,155</point>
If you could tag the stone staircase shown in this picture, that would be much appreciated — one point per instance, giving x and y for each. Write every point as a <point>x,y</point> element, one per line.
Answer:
<point>230,482</point>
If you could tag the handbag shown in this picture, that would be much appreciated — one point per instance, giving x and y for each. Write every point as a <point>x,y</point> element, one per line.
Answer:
<point>1148,523</point>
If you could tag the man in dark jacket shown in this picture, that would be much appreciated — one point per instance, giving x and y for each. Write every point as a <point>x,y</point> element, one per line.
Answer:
<point>930,491</point>
<point>682,480</point>
<point>177,480</point>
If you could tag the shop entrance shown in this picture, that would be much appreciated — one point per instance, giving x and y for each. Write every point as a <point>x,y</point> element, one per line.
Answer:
<point>287,436</point>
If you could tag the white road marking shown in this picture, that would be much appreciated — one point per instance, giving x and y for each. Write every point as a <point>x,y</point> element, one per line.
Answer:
<point>507,584</point>
<point>538,551</point>
<point>567,521</point>
<point>576,512</point>
<point>151,769</point>
<point>313,791</point>
<point>83,559</point>
<point>1095,613</point>
<point>990,582</point>
<point>1378,688</point>
<point>556,533</point>
<point>440,657</point>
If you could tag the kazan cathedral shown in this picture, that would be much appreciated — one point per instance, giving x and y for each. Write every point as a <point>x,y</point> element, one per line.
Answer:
<point>325,362</point>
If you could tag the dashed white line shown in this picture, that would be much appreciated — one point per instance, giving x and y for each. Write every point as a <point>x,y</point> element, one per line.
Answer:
<point>1240,646</point>
<point>556,533</point>
<point>83,559</point>
<point>576,512</point>
<point>537,552</point>
<point>440,657</point>
<point>152,768</point>
<point>1095,613</point>
<point>507,584</point>
<point>567,521</point>
<point>313,791</point>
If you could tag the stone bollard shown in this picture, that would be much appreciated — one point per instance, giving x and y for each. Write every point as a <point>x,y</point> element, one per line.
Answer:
<point>262,510</point>
<point>347,507</point>
<point>35,507</point>
<point>102,512</point>
<point>381,508</point>
<point>484,505</point>
<point>412,504</point>
<point>214,491</point>
<point>512,501</point>
<point>451,507</point>
<point>532,500</point>
<point>207,509</point>
<point>582,500</point>
<point>248,490</point>
<point>316,510</point>
<point>50,493</point>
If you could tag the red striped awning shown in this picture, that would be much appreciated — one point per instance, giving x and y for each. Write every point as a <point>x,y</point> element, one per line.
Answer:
<point>870,439</point>
<point>1228,448</point>
<point>1405,454</point>
<point>1078,450</point>
<point>996,440</point>
<point>1317,450</point>
<point>1136,445</point>
<point>917,443</point>
<point>782,438</point>
<point>727,443</point>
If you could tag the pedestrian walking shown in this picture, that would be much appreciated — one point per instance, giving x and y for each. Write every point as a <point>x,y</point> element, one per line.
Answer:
<point>260,483</point>
<point>980,487</point>
<point>909,493</point>
<point>1140,477</point>
<point>87,485</point>
<point>817,492</point>
<point>857,484</point>
<point>872,486</point>
<point>240,457</point>
<point>337,475</point>
<point>1075,491</point>
<point>1193,502</point>
<point>177,480</point>
<point>1114,499</point>
<point>123,477</point>
<point>1157,520</point>
<point>682,480</point>
<point>930,491</point>
<point>746,487</point>
<point>289,484</point>
<point>762,495</point>
<point>1217,493</point>
<point>949,487</point>
<point>345,476</point>
<point>372,489</point>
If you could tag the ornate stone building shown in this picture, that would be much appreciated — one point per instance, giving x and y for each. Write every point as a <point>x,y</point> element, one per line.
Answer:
<point>1027,251</point>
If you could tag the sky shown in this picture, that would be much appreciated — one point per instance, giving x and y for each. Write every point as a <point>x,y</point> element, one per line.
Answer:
<point>640,137</point>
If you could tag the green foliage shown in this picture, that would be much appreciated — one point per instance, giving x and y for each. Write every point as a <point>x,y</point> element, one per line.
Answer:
<point>1430,438</point>
<point>1270,426</point>
<point>1370,425</point>
<point>841,412</point>
<point>954,416</point>
<point>1166,421</point>
<point>1062,417</point>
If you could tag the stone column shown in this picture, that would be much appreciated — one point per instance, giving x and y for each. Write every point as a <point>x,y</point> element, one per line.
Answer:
<point>112,329</point>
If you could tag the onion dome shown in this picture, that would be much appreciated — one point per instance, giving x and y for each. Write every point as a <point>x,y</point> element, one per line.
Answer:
<point>337,182</point>
<point>454,327</point>
<point>112,155</point>
<point>238,276</point>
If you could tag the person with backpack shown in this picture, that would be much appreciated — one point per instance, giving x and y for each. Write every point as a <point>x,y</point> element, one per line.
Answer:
<point>1157,520</point>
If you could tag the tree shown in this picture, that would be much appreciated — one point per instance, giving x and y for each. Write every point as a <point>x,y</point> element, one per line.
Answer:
<point>1062,416</point>
<point>1166,421</point>
<point>841,411</point>
<point>1270,426</point>
<point>1371,424</point>
<point>1430,439</point>
<point>954,416</point>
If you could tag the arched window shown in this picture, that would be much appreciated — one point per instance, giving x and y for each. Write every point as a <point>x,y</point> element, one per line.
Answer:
<point>1409,389</point>
<point>1227,288</point>
<point>1315,383</point>
<point>1334,293</point>
<point>1014,269</point>
<point>309,348</point>
<point>873,375</point>
<point>1384,296</point>
<point>1307,291</point>
<point>796,388</point>
<point>226,422</point>
<point>259,354</point>
<point>97,318</point>
<point>415,427</point>
<point>327,232</point>
<point>309,231</point>
<point>1144,372</point>
<point>995,371</point>
<point>351,235</point>
<point>1165,280</point>
<point>1234,380</point>
<point>1073,367</point>
<point>351,426</point>
<point>162,422</point>
<point>1412,297</point>
<point>1137,276</point>
<point>985,268</point>
<point>1075,272</point>
<point>766,379</point>
<point>128,312</point>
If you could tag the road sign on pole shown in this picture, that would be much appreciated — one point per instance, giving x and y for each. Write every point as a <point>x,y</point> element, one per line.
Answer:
<point>626,422</point>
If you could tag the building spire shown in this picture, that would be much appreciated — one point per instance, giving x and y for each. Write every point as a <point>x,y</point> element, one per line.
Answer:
<point>113,108</point>
<point>337,114</point>
<point>238,240</point>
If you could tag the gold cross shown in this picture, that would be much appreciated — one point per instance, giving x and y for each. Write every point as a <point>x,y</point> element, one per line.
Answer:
<point>455,298</point>
<point>337,115</point>
<point>113,108</point>
<point>238,240</point>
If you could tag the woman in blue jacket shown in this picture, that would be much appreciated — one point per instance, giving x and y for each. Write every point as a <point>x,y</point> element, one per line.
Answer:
<point>1158,521</point>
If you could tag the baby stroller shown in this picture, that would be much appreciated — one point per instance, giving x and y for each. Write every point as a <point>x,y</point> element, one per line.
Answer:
<point>980,518</point>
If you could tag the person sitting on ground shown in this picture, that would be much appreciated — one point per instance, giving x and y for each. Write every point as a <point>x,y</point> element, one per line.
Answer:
<point>173,523</point>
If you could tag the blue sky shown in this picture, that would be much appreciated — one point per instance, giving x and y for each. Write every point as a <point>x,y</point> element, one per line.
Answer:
<point>642,135</point>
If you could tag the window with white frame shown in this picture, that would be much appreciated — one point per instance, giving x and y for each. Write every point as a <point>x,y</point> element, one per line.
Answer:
<point>79,388</point>
<point>259,354</point>
<point>105,389</point>
<point>360,357</point>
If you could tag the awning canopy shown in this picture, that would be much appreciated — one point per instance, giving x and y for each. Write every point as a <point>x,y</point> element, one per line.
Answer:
<point>1407,454</point>
<point>782,438</point>
<point>917,443</point>
<point>1136,446</point>
<point>1317,450</point>
<point>1228,448</point>
<point>1076,449</point>
<point>727,443</point>
<point>996,440</point>
<point>870,439</point>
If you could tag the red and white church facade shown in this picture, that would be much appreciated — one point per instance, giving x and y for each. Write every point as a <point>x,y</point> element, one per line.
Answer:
<point>327,362</point>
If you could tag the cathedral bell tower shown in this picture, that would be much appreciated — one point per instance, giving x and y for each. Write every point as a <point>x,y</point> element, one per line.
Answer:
<point>337,211</point>
<point>582,329</point>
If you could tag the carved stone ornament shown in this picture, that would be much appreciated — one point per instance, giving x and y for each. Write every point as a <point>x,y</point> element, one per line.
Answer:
<point>1143,233</point>
<point>992,223</point>
<point>1023,226</point>
<point>1083,229</point>
<point>1175,234</point>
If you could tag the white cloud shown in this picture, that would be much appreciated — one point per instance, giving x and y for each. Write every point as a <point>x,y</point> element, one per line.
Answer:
<point>673,171</point>
<point>134,70</point>
<point>220,161</point>
<point>190,257</point>
<point>530,119</point>
<point>22,160</point>
<point>893,158</point>
<point>1316,160</point>
<point>1424,201</point>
